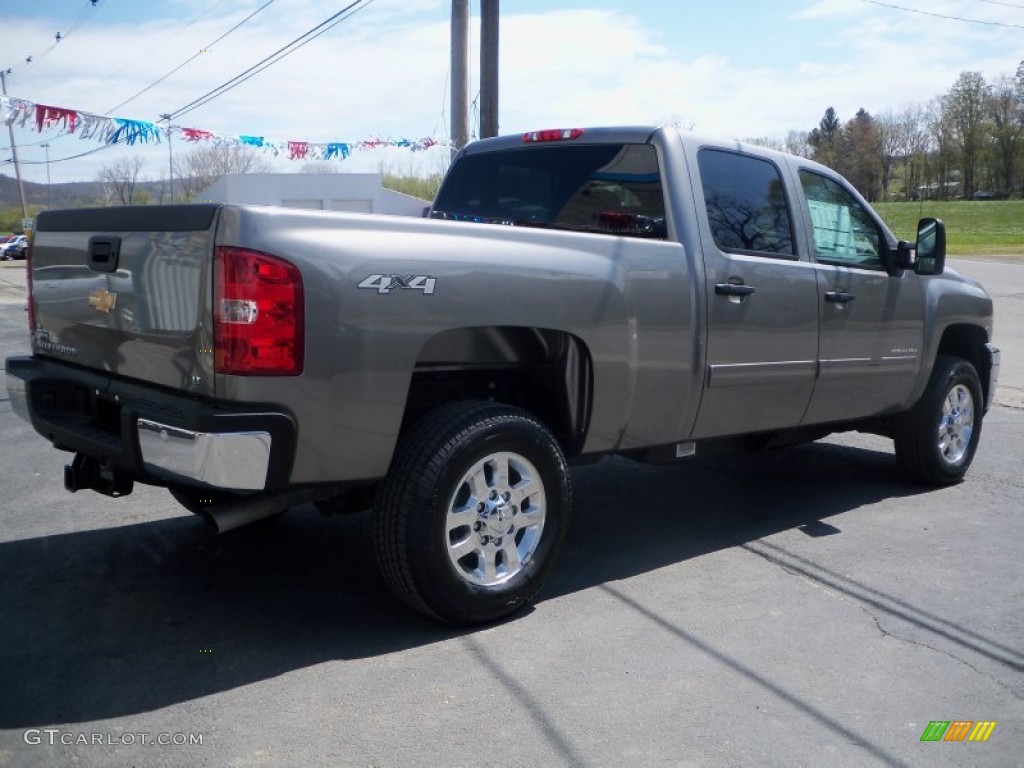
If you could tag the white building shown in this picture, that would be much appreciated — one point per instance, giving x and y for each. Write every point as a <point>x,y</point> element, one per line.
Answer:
<point>353,192</point>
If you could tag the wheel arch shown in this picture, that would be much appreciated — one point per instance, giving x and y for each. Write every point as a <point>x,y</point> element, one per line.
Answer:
<point>545,371</point>
<point>967,341</point>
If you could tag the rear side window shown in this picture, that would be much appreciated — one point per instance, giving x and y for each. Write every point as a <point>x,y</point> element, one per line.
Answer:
<point>746,203</point>
<point>604,188</point>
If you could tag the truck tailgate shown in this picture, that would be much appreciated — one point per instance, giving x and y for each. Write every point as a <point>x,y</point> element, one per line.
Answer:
<point>127,291</point>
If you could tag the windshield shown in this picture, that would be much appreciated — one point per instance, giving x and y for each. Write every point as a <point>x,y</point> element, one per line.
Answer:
<point>605,188</point>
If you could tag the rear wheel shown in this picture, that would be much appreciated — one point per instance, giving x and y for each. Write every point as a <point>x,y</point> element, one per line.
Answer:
<point>473,512</point>
<point>936,440</point>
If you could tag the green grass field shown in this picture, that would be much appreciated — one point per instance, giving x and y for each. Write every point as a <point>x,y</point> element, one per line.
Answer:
<point>973,228</point>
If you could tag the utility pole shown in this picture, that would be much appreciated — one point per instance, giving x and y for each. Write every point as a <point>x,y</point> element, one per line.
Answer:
<point>49,189</point>
<point>488,68</point>
<point>170,157</point>
<point>14,149</point>
<point>460,74</point>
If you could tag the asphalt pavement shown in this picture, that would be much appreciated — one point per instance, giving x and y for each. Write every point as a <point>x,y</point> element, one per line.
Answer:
<point>804,607</point>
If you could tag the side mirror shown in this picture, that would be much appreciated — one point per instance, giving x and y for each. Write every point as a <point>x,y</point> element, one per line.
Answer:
<point>931,247</point>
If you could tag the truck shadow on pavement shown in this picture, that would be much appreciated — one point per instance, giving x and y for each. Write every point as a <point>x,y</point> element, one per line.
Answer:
<point>118,621</point>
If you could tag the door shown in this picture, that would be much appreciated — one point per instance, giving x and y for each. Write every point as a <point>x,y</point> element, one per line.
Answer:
<point>872,323</point>
<point>762,330</point>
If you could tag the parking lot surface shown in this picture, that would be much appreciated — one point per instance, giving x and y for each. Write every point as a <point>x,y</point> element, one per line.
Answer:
<point>798,607</point>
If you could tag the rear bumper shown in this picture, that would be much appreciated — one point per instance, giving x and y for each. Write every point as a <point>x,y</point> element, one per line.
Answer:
<point>235,460</point>
<point>152,435</point>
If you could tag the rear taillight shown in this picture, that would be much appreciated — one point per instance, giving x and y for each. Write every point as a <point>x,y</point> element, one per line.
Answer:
<point>553,134</point>
<point>258,312</point>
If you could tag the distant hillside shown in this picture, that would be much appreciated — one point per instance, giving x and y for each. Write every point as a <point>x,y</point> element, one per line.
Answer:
<point>68,195</point>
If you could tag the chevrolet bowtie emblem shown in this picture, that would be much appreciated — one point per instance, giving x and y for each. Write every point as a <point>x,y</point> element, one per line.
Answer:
<point>102,300</point>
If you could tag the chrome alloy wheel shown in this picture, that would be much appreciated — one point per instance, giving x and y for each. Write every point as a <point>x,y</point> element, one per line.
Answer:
<point>495,519</point>
<point>956,424</point>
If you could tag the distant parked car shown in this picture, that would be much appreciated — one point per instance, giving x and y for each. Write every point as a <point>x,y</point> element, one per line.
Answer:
<point>14,247</point>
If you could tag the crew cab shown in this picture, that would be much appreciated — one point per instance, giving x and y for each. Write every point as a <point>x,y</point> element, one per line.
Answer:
<point>572,294</point>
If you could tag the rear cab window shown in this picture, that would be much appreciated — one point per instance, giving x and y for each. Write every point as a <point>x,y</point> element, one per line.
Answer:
<point>612,189</point>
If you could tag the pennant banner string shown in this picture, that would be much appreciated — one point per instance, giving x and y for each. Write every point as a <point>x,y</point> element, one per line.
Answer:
<point>21,113</point>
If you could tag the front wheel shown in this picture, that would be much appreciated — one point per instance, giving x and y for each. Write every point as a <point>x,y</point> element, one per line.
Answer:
<point>936,440</point>
<point>473,512</point>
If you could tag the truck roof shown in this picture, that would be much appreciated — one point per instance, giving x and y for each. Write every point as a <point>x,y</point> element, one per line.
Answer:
<point>625,134</point>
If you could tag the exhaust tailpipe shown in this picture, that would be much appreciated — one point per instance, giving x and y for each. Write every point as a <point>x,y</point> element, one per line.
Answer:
<point>238,512</point>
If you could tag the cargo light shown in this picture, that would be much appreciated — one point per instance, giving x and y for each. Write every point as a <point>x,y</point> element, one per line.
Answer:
<point>553,134</point>
<point>259,312</point>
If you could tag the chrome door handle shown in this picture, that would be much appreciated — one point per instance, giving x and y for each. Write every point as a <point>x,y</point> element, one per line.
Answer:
<point>728,289</point>
<point>838,297</point>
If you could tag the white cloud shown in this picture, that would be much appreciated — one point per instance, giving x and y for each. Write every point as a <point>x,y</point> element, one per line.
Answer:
<point>385,72</point>
<point>827,8</point>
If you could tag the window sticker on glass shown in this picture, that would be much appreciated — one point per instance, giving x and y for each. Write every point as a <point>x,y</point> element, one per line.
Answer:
<point>844,233</point>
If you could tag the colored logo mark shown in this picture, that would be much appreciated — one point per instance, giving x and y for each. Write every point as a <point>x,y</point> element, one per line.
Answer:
<point>958,730</point>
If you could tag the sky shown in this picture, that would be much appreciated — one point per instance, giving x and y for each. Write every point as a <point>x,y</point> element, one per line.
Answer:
<point>729,68</point>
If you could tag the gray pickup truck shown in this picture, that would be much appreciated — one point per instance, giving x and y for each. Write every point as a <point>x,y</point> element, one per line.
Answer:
<point>571,294</point>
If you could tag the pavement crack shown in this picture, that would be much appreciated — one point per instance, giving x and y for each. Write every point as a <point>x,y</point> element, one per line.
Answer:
<point>910,641</point>
<point>867,598</point>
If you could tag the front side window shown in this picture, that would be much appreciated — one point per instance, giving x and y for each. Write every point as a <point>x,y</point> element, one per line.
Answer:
<point>603,188</point>
<point>844,232</point>
<point>746,204</point>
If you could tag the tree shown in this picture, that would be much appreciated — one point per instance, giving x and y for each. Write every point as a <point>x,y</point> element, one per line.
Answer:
<point>676,121</point>
<point>1006,109</point>
<point>119,180</point>
<point>914,144</point>
<point>824,139</point>
<point>767,142</point>
<point>860,154</point>
<point>797,143</point>
<point>889,147</point>
<point>204,165</point>
<point>965,108</point>
<point>942,146</point>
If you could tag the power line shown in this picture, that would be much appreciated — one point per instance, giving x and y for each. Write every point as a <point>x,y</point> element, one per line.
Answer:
<point>286,50</point>
<point>944,16</point>
<point>191,58</point>
<point>62,159</point>
<point>273,58</point>
<point>1005,5</point>
<point>79,20</point>
<point>168,35</point>
<point>29,144</point>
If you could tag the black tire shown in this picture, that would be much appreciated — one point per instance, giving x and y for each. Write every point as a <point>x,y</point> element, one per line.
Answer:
<point>936,440</point>
<point>417,543</point>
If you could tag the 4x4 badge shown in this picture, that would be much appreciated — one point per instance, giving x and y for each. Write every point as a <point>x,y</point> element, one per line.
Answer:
<point>387,283</point>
